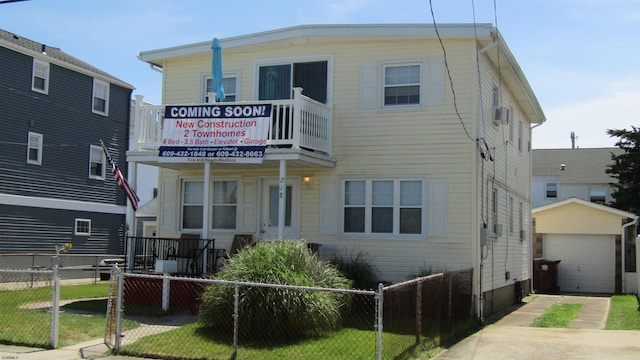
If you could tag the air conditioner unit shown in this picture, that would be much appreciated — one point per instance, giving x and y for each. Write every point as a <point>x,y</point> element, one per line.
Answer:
<point>500,115</point>
<point>497,229</point>
<point>523,235</point>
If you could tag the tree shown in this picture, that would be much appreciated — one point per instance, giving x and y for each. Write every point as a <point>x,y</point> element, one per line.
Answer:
<point>626,169</point>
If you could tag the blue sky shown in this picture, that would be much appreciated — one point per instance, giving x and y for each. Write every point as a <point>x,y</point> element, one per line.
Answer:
<point>581,57</point>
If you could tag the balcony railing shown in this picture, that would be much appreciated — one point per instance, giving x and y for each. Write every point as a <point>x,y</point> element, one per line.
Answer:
<point>299,123</point>
<point>194,257</point>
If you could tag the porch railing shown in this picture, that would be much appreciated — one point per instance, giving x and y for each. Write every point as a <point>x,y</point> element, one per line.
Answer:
<point>299,123</point>
<point>194,257</point>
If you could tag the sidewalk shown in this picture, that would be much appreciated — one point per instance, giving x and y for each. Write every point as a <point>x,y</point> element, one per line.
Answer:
<point>509,337</point>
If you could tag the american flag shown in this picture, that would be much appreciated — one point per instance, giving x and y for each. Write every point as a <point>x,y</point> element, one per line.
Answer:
<point>122,181</point>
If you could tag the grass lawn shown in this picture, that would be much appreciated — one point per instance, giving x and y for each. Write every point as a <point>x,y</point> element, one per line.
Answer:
<point>347,343</point>
<point>557,316</point>
<point>623,313</point>
<point>30,327</point>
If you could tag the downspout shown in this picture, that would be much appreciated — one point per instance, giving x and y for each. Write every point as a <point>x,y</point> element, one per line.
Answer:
<point>531,210</point>
<point>478,262</point>
<point>623,240</point>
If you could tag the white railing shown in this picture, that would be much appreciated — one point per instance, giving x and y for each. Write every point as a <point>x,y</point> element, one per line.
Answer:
<point>298,123</point>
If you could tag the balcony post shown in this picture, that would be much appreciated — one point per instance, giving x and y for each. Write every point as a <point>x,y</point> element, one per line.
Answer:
<point>297,116</point>
<point>136,122</point>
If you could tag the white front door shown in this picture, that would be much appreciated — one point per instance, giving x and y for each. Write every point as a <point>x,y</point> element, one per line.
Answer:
<point>269,210</point>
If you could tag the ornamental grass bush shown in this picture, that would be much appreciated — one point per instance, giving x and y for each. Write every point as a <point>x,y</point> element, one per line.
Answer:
<point>280,314</point>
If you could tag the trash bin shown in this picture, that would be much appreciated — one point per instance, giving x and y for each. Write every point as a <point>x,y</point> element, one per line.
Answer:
<point>545,276</point>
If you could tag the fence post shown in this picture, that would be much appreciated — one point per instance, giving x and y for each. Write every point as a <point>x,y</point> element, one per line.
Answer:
<point>118,335</point>
<point>380,298</point>
<point>236,297</point>
<point>55,307</point>
<point>166,284</point>
<point>418,311</point>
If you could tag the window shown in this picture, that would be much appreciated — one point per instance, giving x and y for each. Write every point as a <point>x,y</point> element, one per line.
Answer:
<point>521,220</point>
<point>511,215</point>
<point>97,160</point>
<point>597,195</point>
<point>100,97</point>
<point>494,205</point>
<point>551,191</point>
<point>496,96</point>
<point>192,204</point>
<point>40,76</point>
<point>34,149</point>
<point>223,214</point>
<point>230,85</point>
<point>401,85</point>
<point>83,227</point>
<point>276,81</point>
<point>392,207</point>
<point>511,121</point>
<point>520,140</point>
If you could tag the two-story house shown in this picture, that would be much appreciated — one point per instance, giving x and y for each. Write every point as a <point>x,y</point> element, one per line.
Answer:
<point>56,185</point>
<point>407,144</point>
<point>573,224</point>
<point>559,174</point>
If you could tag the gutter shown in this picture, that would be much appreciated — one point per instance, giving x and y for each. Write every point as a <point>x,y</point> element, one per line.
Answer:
<point>480,134</point>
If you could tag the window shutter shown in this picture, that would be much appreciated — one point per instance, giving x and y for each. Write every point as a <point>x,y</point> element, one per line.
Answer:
<point>368,81</point>
<point>170,204</point>
<point>328,206</point>
<point>437,208</point>
<point>248,218</point>
<point>435,82</point>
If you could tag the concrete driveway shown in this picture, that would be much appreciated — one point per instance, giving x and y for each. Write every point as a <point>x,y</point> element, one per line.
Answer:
<point>509,337</point>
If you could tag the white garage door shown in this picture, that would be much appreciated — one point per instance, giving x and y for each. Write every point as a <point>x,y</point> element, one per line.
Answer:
<point>587,261</point>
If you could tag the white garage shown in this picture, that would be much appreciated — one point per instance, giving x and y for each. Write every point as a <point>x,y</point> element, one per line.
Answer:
<point>587,262</point>
<point>584,237</point>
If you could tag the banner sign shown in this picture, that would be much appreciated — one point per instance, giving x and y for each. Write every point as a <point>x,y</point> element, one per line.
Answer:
<point>217,133</point>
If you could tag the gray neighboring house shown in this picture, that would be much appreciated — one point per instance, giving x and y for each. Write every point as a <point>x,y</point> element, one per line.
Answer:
<point>559,174</point>
<point>56,185</point>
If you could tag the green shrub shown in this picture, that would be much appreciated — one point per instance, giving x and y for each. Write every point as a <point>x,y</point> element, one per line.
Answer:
<point>284,314</point>
<point>358,269</point>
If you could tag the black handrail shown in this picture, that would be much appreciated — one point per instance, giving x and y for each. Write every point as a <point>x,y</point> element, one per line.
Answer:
<point>189,254</point>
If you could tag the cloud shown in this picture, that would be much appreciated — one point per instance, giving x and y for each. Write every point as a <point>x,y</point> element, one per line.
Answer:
<point>589,120</point>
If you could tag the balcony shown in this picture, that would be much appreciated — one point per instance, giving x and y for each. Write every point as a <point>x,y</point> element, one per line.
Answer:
<point>300,130</point>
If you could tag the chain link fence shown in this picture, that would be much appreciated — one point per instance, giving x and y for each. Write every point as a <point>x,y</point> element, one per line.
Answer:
<point>29,313</point>
<point>265,321</point>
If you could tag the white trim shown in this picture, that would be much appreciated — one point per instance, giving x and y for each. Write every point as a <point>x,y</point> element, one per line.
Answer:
<point>311,33</point>
<point>75,227</point>
<point>59,204</point>
<point>97,149</point>
<point>46,77</point>
<point>39,147</point>
<point>106,97</point>
<point>422,64</point>
<point>575,200</point>
<point>395,234</point>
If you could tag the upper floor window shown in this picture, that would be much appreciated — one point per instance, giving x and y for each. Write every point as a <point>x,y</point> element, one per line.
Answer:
<point>551,190</point>
<point>225,196</point>
<point>276,81</point>
<point>511,219</point>
<point>100,97</point>
<point>597,195</point>
<point>34,149</point>
<point>40,76</point>
<point>402,84</point>
<point>230,85</point>
<point>520,134</point>
<point>393,207</point>
<point>97,159</point>
<point>82,227</point>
